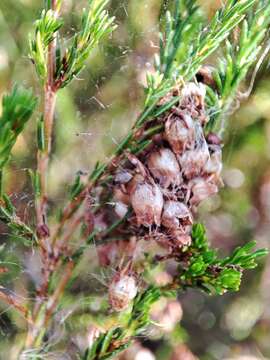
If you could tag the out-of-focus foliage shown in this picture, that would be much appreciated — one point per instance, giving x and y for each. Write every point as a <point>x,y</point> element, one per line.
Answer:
<point>92,117</point>
<point>17,108</point>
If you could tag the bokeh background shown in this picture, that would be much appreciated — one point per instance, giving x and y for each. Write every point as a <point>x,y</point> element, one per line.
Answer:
<point>93,114</point>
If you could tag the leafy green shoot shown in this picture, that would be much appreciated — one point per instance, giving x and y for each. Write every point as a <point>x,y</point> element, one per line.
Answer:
<point>240,55</point>
<point>95,25</point>
<point>17,108</point>
<point>45,32</point>
<point>205,270</point>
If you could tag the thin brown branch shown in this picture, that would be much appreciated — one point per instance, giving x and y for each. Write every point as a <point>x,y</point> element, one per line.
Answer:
<point>69,232</point>
<point>53,300</point>
<point>14,303</point>
<point>43,317</point>
<point>69,210</point>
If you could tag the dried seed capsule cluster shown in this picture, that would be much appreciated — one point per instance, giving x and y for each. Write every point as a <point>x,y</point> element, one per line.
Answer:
<point>165,185</point>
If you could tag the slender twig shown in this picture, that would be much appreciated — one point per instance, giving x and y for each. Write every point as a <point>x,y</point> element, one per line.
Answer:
<point>12,301</point>
<point>69,232</point>
<point>37,331</point>
<point>43,156</point>
<point>53,300</point>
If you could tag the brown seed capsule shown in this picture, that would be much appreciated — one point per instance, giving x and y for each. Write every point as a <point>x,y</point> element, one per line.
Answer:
<point>120,209</point>
<point>201,189</point>
<point>214,164</point>
<point>193,98</point>
<point>179,132</point>
<point>146,200</point>
<point>181,239</point>
<point>193,161</point>
<point>122,200</point>
<point>205,75</point>
<point>213,139</point>
<point>175,215</point>
<point>120,194</point>
<point>164,167</point>
<point>193,95</point>
<point>122,291</point>
<point>122,176</point>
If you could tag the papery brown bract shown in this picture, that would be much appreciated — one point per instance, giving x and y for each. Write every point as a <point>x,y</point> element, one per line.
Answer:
<point>179,132</point>
<point>192,100</point>
<point>176,214</point>
<point>201,189</point>
<point>214,164</point>
<point>164,166</point>
<point>193,161</point>
<point>122,291</point>
<point>181,237</point>
<point>122,176</point>
<point>121,201</point>
<point>120,209</point>
<point>120,194</point>
<point>205,75</point>
<point>146,200</point>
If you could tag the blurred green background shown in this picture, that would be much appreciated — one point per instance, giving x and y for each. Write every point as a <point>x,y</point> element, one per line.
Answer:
<point>93,114</point>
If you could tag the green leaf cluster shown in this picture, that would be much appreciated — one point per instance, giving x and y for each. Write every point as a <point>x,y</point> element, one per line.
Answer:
<point>17,108</point>
<point>240,55</point>
<point>108,345</point>
<point>19,230</point>
<point>223,22</point>
<point>205,270</point>
<point>95,24</point>
<point>177,37</point>
<point>45,30</point>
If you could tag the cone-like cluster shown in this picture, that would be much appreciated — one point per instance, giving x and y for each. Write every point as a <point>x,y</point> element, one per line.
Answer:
<point>164,185</point>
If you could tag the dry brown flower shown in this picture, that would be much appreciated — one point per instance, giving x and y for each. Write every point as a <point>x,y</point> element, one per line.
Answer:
<point>179,131</point>
<point>164,166</point>
<point>122,290</point>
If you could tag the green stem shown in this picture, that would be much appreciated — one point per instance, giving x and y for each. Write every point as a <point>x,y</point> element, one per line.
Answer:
<point>1,183</point>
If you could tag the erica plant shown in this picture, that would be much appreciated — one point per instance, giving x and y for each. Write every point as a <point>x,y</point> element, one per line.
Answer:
<point>139,208</point>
